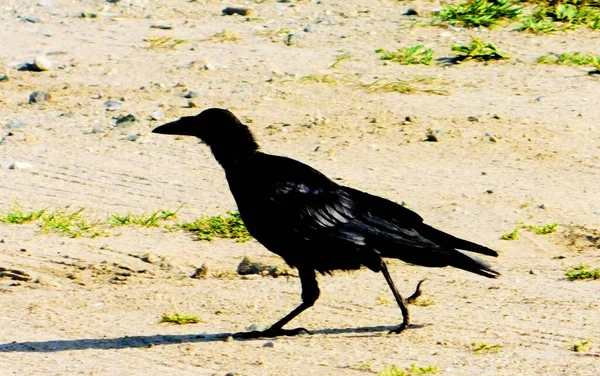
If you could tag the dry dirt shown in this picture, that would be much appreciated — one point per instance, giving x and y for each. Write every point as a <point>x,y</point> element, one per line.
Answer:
<point>93,306</point>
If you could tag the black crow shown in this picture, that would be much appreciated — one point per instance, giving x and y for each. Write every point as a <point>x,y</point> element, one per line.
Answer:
<point>315,224</point>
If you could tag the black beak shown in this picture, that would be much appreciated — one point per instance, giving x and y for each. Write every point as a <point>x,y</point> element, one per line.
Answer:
<point>182,127</point>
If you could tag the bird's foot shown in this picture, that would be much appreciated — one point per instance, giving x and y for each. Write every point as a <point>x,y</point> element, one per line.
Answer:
<point>270,333</point>
<point>399,329</point>
<point>415,295</point>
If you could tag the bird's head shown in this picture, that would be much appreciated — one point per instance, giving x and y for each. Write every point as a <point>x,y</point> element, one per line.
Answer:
<point>227,137</point>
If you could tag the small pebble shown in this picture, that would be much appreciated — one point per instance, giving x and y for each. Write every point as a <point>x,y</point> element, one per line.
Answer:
<point>269,344</point>
<point>489,191</point>
<point>42,63</point>
<point>434,136</point>
<point>473,118</point>
<point>162,27</point>
<point>411,12</point>
<point>192,104</point>
<point>192,94</point>
<point>38,97</point>
<point>311,29</point>
<point>133,137</point>
<point>157,115</point>
<point>19,166</point>
<point>32,19</point>
<point>3,77</point>
<point>113,105</point>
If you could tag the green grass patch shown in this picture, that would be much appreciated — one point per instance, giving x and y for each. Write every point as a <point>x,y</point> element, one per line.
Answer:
<point>71,224</point>
<point>544,230</point>
<point>414,370</point>
<point>144,220</point>
<point>229,226</point>
<point>340,59</point>
<point>514,235</point>
<point>178,319</point>
<point>561,16</point>
<point>478,50</point>
<point>570,58</point>
<point>582,272</point>
<point>478,13</point>
<point>408,56</point>
<point>17,216</point>
<point>581,346</point>
<point>484,348</point>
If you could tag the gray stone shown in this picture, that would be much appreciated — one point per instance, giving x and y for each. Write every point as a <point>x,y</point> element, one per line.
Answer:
<point>113,105</point>
<point>15,124</point>
<point>133,137</point>
<point>42,63</point>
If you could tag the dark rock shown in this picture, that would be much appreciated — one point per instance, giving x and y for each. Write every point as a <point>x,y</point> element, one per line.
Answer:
<point>248,267</point>
<point>124,119</point>
<point>229,11</point>
<point>38,97</point>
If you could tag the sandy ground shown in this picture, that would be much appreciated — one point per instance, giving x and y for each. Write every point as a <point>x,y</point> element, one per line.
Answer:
<point>93,306</point>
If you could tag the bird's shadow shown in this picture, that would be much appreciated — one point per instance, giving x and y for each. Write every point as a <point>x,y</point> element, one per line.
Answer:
<point>159,339</point>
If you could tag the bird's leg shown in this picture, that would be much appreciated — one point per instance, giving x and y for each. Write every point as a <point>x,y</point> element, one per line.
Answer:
<point>310,294</point>
<point>401,302</point>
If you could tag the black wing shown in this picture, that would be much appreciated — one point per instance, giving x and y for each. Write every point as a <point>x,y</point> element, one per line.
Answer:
<point>359,224</point>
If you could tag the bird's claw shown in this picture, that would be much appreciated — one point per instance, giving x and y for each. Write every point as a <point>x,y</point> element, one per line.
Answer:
<point>399,329</point>
<point>270,333</point>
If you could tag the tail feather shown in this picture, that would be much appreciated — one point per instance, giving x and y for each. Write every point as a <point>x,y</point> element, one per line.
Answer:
<point>473,264</point>
<point>449,241</point>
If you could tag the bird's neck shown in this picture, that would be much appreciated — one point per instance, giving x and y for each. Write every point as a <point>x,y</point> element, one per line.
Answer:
<point>228,155</point>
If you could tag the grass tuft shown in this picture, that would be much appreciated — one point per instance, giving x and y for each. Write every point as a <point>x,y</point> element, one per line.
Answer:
<point>16,216</point>
<point>408,56</point>
<point>484,348</point>
<point>178,319</point>
<point>580,347</point>
<point>582,272</point>
<point>562,15</point>
<point>73,225</point>
<point>414,370</point>
<point>570,58</point>
<point>478,50</point>
<point>340,59</point>
<point>544,230</point>
<point>511,235</point>
<point>478,13</point>
<point>144,220</point>
<point>229,226</point>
